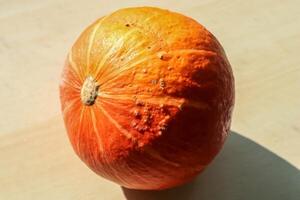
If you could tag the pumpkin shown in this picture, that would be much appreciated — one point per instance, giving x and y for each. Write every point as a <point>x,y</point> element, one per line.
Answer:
<point>147,96</point>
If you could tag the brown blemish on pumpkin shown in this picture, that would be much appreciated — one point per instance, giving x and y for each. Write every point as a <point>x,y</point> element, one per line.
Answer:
<point>153,82</point>
<point>164,56</point>
<point>162,83</point>
<point>136,113</point>
<point>133,124</point>
<point>170,68</point>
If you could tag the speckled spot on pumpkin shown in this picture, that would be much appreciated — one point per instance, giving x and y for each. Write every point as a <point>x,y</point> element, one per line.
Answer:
<point>136,113</point>
<point>162,83</point>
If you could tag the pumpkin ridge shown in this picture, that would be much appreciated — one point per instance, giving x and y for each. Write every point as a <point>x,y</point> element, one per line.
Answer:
<point>99,140</point>
<point>116,72</point>
<point>156,100</point>
<point>117,125</point>
<point>155,154</point>
<point>79,131</point>
<point>90,152</point>
<point>114,47</point>
<point>68,106</point>
<point>74,66</point>
<point>91,40</point>
<point>72,84</point>
<point>167,100</point>
<point>193,50</point>
<point>131,66</point>
<point>145,59</point>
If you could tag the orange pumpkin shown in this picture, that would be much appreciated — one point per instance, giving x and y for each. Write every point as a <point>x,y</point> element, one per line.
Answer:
<point>147,96</point>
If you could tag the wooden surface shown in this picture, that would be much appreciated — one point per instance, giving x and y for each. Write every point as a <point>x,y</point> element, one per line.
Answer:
<point>261,158</point>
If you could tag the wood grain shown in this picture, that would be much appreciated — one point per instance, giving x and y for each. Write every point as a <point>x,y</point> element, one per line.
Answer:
<point>262,41</point>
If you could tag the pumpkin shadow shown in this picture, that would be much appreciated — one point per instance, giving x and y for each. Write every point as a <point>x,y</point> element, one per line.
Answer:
<point>243,170</point>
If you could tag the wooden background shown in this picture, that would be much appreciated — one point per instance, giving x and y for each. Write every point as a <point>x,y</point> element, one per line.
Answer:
<point>261,158</point>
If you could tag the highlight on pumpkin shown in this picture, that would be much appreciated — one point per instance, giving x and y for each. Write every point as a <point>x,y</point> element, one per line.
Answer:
<point>147,96</point>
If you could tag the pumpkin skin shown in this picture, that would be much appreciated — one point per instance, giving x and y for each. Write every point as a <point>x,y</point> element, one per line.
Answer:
<point>147,97</point>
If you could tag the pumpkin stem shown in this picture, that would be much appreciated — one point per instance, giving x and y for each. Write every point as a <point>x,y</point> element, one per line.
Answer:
<point>89,91</point>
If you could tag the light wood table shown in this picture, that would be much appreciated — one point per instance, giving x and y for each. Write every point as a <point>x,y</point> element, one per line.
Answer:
<point>261,158</point>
